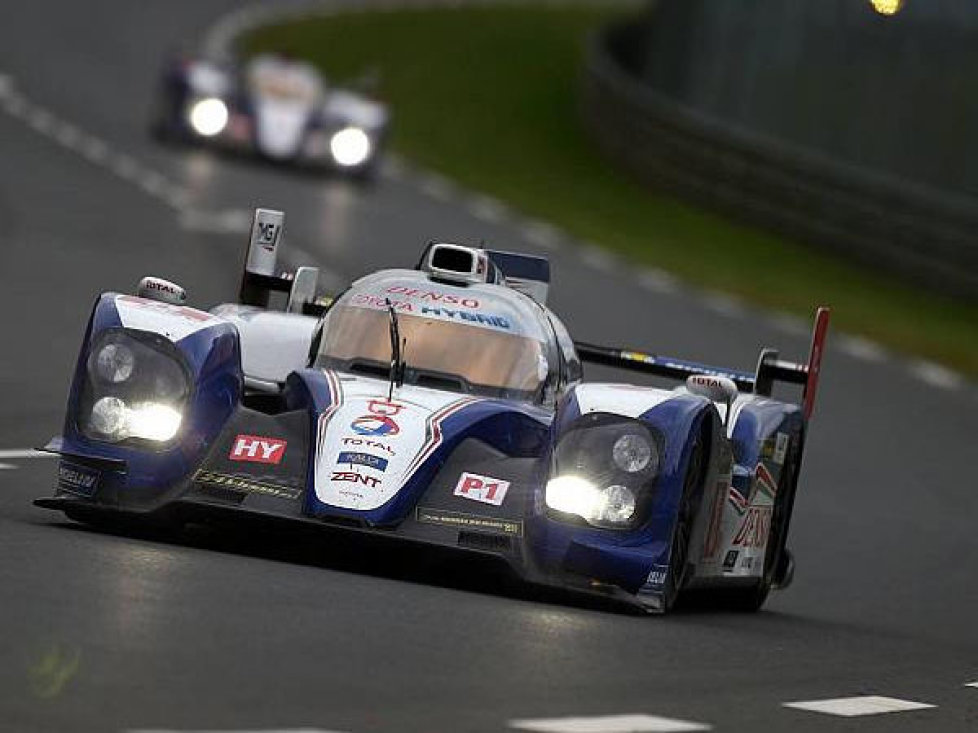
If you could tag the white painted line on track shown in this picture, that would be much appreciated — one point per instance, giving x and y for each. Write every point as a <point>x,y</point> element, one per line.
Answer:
<point>7,466</point>
<point>851,707</point>
<point>542,234</point>
<point>26,453</point>
<point>487,208</point>
<point>936,375</point>
<point>861,348</point>
<point>598,259</point>
<point>609,724</point>
<point>232,221</point>
<point>437,187</point>
<point>728,306</point>
<point>789,324</point>
<point>237,730</point>
<point>659,281</point>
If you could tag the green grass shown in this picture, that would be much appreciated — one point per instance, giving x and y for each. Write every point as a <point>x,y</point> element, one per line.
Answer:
<point>488,97</point>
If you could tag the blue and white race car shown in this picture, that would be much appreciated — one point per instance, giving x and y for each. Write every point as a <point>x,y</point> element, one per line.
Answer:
<point>275,107</point>
<point>442,405</point>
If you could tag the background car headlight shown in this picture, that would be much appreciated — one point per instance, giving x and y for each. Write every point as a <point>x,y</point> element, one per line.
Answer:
<point>209,116</point>
<point>137,388</point>
<point>350,147</point>
<point>604,470</point>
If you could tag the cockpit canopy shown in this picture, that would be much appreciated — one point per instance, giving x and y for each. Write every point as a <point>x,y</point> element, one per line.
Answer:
<point>473,338</point>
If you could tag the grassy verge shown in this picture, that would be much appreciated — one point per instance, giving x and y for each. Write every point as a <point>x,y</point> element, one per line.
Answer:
<point>488,97</point>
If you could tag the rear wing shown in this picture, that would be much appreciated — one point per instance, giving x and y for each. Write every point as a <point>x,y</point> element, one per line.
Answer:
<point>259,278</point>
<point>770,368</point>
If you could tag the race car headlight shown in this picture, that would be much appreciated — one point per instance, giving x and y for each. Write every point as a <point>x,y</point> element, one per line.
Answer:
<point>350,147</point>
<point>137,388</point>
<point>114,362</point>
<point>575,495</point>
<point>604,469</point>
<point>208,116</point>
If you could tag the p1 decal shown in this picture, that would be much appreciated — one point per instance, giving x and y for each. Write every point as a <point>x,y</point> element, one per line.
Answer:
<point>352,458</point>
<point>380,421</point>
<point>256,449</point>
<point>486,489</point>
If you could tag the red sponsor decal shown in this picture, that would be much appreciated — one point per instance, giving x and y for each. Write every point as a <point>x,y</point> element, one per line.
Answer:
<point>433,296</point>
<point>355,478</point>
<point>754,531</point>
<point>257,449</point>
<point>486,489</point>
<point>765,479</point>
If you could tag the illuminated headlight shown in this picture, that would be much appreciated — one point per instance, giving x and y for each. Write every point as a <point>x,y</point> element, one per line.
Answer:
<point>209,116</point>
<point>137,388</point>
<point>113,420</point>
<point>575,495</point>
<point>350,147</point>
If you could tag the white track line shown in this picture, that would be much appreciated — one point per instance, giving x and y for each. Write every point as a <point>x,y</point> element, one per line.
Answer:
<point>542,234</point>
<point>936,375</point>
<point>860,348</point>
<point>609,724</point>
<point>6,466</point>
<point>239,730</point>
<point>26,453</point>
<point>851,707</point>
<point>659,281</point>
<point>728,306</point>
<point>598,259</point>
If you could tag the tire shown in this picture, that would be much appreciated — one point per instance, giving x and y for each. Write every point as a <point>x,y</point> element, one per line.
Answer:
<point>682,534</point>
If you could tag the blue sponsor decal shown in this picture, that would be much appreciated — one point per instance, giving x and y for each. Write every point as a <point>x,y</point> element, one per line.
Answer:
<point>77,479</point>
<point>362,459</point>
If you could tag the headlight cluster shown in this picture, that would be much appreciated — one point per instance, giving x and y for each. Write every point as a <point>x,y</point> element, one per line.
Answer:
<point>604,467</point>
<point>208,116</point>
<point>350,147</point>
<point>137,387</point>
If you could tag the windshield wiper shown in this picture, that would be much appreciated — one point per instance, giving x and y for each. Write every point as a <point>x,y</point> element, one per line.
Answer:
<point>396,375</point>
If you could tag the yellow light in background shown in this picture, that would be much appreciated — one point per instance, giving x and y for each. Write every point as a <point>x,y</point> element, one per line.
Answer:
<point>887,7</point>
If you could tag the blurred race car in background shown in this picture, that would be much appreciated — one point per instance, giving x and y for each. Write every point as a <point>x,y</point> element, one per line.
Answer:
<point>444,406</point>
<point>273,106</point>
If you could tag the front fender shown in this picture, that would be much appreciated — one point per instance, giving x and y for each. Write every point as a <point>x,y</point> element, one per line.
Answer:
<point>212,354</point>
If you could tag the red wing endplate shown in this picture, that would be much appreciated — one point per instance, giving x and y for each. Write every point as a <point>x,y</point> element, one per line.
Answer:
<point>815,359</point>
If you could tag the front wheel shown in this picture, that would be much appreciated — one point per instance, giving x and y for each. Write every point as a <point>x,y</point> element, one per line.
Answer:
<point>679,555</point>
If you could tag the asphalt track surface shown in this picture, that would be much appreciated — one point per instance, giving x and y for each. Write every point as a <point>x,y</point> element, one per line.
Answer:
<point>102,632</point>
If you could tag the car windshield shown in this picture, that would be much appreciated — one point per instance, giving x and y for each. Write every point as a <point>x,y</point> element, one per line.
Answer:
<point>283,80</point>
<point>438,353</point>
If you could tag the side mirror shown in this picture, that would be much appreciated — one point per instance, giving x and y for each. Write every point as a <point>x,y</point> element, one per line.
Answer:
<point>156,288</point>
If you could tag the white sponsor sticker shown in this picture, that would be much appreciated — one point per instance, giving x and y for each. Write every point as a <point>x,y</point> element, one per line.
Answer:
<point>780,448</point>
<point>486,489</point>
